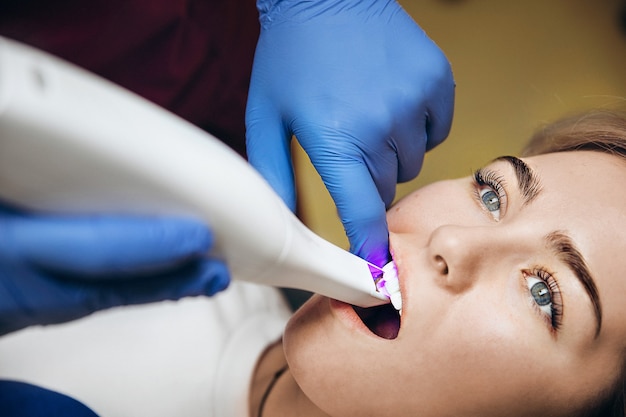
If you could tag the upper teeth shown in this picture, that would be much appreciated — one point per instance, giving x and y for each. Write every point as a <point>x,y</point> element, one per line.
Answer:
<point>390,285</point>
<point>390,272</point>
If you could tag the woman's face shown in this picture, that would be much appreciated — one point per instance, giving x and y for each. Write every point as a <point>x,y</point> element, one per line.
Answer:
<point>500,316</point>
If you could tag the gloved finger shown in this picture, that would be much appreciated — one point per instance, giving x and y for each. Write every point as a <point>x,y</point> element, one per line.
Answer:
<point>57,298</point>
<point>268,145</point>
<point>202,277</point>
<point>104,246</point>
<point>441,108</point>
<point>410,140</point>
<point>360,207</point>
<point>422,131</point>
<point>26,400</point>
<point>351,168</point>
<point>68,298</point>
<point>369,239</point>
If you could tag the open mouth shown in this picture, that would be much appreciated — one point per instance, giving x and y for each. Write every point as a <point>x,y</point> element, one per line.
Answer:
<point>383,321</point>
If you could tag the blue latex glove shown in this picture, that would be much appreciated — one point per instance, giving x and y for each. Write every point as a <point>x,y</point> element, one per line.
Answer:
<point>54,269</point>
<point>365,92</point>
<point>19,399</point>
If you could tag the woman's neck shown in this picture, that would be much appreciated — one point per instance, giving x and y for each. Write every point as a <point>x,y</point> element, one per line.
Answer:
<point>274,392</point>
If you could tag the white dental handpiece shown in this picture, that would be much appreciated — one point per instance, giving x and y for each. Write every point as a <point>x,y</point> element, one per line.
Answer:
<point>71,142</point>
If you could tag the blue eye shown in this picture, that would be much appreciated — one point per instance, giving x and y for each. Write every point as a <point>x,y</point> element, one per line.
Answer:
<point>541,293</point>
<point>490,192</point>
<point>490,200</point>
<point>545,295</point>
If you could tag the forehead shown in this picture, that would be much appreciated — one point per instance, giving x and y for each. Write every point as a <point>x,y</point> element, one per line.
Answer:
<point>581,184</point>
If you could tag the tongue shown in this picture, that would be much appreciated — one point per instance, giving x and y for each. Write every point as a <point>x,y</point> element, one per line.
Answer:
<point>383,321</point>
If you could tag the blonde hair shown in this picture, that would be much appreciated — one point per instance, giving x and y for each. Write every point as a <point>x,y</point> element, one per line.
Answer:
<point>598,130</point>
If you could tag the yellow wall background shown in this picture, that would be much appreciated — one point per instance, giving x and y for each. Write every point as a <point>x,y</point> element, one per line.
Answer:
<point>517,65</point>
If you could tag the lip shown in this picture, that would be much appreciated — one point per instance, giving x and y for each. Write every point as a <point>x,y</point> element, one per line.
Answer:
<point>381,322</point>
<point>345,313</point>
<point>401,281</point>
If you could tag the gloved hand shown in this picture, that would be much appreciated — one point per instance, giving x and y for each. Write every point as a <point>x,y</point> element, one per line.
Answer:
<point>19,398</point>
<point>54,269</point>
<point>365,92</point>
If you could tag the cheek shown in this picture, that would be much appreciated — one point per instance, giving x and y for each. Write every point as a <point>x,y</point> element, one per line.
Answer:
<point>464,352</point>
<point>303,330</point>
<point>488,364</point>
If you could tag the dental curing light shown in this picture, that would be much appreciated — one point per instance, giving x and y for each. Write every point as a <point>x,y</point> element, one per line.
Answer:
<point>73,143</point>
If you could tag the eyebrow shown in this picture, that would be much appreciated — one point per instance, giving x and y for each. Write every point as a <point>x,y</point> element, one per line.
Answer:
<point>528,182</point>
<point>561,244</point>
<point>558,241</point>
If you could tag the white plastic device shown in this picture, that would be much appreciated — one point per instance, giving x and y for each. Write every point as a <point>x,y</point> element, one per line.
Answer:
<point>72,142</point>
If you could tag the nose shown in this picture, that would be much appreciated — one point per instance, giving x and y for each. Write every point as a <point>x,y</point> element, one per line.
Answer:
<point>460,254</point>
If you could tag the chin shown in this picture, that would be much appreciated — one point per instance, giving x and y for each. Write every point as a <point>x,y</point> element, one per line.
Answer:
<point>332,362</point>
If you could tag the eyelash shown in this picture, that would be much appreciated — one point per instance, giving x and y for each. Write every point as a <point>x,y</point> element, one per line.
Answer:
<point>556,303</point>
<point>487,178</point>
<point>491,179</point>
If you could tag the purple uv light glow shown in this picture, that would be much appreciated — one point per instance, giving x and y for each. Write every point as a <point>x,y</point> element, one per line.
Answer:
<point>381,283</point>
<point>377,272</point>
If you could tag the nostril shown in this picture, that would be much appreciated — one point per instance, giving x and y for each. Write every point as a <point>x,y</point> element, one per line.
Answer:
<point>441,265</point>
